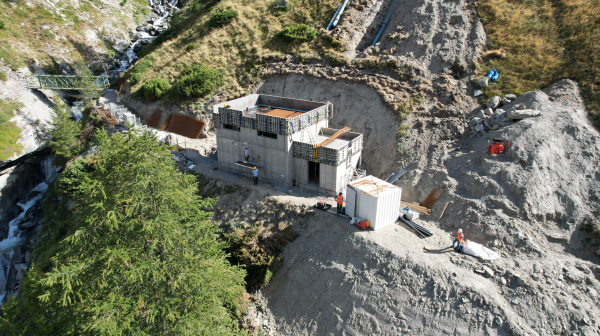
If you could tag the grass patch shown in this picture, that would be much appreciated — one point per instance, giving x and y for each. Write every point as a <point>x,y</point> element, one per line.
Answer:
<point>9,132</point>
<point>3,76</point>
<point>239,48</point>
<point>533,43</point>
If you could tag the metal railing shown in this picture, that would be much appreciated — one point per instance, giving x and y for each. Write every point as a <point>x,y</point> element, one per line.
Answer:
<point>60,82</point>
<point>124,116</point>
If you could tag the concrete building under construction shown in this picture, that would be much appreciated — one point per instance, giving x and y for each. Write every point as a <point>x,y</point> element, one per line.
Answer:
<point>289,140</point>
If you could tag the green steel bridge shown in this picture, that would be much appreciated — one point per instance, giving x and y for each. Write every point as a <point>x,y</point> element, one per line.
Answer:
<point>57,82</point>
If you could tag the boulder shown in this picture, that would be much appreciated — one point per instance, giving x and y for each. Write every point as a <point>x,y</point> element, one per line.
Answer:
<point>481,115</point>
<point>482,82</point>
<point>479,128</point>
<point>474,120</point>
<point>488,111</point>
<point>493,102</point>
<point>522,114</point>
<point>477,93</point>
<point>510,96</point>
<point>121,46</point>
<point>437,121</point>
<point>505,101</point>
<point>281,3</point>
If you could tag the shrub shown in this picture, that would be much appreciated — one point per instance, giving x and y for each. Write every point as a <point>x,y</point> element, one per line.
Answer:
<point>222,18</point>
<point>301,32</point>
<point>198,80</point>
<point>2,26</point>
<point>191,46</point>
<point>135,78</point>
<point>155,88</point>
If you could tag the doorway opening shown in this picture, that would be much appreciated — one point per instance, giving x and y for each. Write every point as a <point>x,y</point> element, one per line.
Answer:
<point>313,172</point>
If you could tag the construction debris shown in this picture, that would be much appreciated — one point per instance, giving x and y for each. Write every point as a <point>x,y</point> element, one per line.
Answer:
<point>423,232</point>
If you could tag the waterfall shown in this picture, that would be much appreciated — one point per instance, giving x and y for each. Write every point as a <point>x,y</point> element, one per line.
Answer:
<point>14,238</point>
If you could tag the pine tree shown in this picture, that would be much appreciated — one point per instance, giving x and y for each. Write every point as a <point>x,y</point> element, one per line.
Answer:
<point>65,133</point>
<point>143,257</point>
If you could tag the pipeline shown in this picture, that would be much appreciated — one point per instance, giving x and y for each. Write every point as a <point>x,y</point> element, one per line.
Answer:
<point>414,228</point>
<point>396,176</point>
<point>334,16</point>
<point>382,28</point>
<point>339,14</point>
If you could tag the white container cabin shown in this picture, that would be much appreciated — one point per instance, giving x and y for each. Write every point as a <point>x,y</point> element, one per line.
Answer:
<point>373,199</point>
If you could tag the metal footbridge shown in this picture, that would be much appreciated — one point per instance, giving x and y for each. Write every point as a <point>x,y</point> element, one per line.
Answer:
<point>60,82</point>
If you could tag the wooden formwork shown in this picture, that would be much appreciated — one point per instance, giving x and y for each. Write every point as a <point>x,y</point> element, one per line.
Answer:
<point>324,155</point>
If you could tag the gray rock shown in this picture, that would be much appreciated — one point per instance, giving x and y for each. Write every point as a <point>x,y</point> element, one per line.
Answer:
<point>535,277</point>
<point>498,321</point>
<point>503,281</point>
<point>437,121</point>
<point>474,120</point>
<point>488,272</point>
<point>520,280</point>
<point>522,114</point>
<point>121,46</point>
<point>481,115</point>
<point>281,3</point>
<point>477,93</point>
<point>519,106</point>
<point>510,96</point>
<point>505,101</point>
<point>488,111</point>
<point>479,128</point>
<point>493,102</point>
<point>482,82</point>
<point>496,126</point>
<point>26,225</point>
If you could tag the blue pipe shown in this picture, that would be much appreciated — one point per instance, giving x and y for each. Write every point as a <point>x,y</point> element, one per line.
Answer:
<point>339,14</point>
<point>334,15</point>
<point>382,28</point>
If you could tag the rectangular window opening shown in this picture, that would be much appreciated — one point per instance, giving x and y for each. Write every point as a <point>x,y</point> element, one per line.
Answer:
<point>231,127</point>
<point>267,134</point>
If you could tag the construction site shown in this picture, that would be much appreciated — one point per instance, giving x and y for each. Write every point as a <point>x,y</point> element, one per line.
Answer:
<point>459,211</point>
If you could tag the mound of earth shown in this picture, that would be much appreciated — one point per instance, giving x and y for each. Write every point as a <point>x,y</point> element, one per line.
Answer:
<point>527,204</point>
<point>429,34</point>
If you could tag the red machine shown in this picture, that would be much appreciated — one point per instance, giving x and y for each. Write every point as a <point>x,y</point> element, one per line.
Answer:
<point>498,146</point>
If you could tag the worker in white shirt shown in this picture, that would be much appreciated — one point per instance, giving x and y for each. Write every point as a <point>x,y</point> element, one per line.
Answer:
<point>255,174</point>
<point>247,154</point>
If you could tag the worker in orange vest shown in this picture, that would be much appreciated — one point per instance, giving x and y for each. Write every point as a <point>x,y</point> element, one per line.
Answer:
<point>457,243</point>
<point>340,202</point>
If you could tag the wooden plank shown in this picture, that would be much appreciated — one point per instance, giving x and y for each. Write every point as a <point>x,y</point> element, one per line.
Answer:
<point>444,210</point>
<point>418,208</point>
<point>333,137</point>
<point>344,230</point>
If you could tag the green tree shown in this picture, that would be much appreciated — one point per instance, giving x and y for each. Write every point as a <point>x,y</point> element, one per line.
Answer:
<point>65,133</point>
<point>89,94</point>
<point>143,257</point>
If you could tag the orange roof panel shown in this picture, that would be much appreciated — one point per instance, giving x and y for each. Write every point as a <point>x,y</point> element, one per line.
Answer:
<point>283,113</point>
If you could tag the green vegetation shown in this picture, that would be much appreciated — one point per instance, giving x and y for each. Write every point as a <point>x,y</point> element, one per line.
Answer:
<point>65,133</point>
<point>136,73</point>
<point>9,132</point>
<point>240,47</point>
<point>2,25</point>
<point>300,32</point>
<point>155,88</point>
<point>198,80</point>
<point>534,43</point>
<point>222,18</point>
<point>135,255</point>
<point>191,46</point>
<point>257,249</point>
<point>3,76</point>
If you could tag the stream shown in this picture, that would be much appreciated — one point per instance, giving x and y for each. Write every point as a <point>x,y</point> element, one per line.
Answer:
<point>13,262</point>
